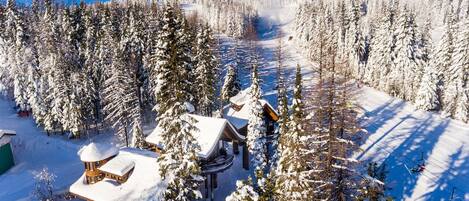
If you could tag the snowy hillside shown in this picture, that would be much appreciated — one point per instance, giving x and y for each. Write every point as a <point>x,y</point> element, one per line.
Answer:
<point>398,134</point>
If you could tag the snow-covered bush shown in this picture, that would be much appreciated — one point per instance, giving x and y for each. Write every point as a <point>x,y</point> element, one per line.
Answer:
<point>44,188</point>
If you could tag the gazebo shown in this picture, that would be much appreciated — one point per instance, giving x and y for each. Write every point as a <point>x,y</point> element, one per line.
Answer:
<point>94,156</point>
<point>129,174</point>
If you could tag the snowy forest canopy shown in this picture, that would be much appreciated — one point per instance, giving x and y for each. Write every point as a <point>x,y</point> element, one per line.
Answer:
<point>81,67</point>
<point>420,55</point>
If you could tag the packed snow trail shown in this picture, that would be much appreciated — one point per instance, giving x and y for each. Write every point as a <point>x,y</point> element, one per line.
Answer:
<point>398,134</point>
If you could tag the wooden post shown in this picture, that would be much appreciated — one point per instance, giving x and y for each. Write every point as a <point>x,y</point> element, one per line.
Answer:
<point>235,148</point>
<point>209,189</point>
<point>206,186</point>
<point>214,181</point>
<point>245,157</point>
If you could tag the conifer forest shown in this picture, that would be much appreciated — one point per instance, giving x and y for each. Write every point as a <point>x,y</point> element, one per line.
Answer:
<point>236,100</point>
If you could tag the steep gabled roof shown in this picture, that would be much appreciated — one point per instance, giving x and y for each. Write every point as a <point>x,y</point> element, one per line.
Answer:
<point>239,117</point>
<point>209,132</point>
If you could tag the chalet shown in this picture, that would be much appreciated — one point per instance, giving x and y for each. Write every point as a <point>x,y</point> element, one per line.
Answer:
<point>6,153</point>
<point>238,113</point>
<point>114,174</point>
<point>210,135</point>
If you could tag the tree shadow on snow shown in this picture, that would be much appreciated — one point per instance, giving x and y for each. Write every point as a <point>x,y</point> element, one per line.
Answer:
<point>449,186</point>
<point>381,115</point>
<point>418,145</point>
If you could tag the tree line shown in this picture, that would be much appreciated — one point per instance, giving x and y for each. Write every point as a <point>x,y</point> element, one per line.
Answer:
<point>392,47</point>
<point>82,67</point>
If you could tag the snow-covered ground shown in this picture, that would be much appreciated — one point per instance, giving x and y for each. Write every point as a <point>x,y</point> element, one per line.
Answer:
<point>32,151</point>
<point>398,134</point>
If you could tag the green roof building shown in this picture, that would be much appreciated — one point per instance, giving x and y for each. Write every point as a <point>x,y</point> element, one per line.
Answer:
<point>6,153</point>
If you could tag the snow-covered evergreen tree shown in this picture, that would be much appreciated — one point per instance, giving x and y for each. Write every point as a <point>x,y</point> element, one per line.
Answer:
<point>91,94</point>
<point>454,73</point>
<point>381,57</point>
<point>291,173</point>
<point>138,138</point>
<point>244,192</point>
<point>355,41</point>
<point>231,85</point>
<point>47,60</point>
<point>256,129</point>
<point>178,161</point>
<point>443,59</point>
<point>405,74</point>
<point>122,105</point>
<point>282,101</point>
<point>205,72</point>
<point>461,71</point>
<point>23,63</point>
<point>427,96</point>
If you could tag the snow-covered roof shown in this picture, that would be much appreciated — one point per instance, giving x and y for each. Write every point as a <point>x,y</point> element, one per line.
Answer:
<point>6,132</point>
<point>208,134</point>
<point>240,118</point>
<point>145,181</point>
<point>119,165</point>
<point>5,136</point>
<point>96,152</point>
<point>241,98</point>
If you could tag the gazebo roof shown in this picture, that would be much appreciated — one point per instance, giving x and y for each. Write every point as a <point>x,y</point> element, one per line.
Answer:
<point>94,152</point>
<point>209,131</point>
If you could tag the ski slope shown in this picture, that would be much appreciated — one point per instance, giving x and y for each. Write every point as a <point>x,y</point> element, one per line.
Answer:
<point>398,134</point>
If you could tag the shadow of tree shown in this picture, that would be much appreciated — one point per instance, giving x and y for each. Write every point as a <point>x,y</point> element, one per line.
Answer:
<point>450,179</point>
<point>380,115</point>
<point>417,146</point>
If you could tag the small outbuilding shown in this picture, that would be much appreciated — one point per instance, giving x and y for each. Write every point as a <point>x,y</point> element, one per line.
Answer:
<point>125,174</point>
<point>94,156</point>
<point>6,153</point>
